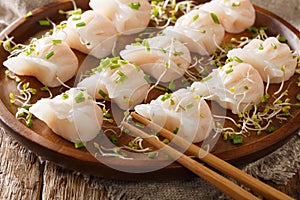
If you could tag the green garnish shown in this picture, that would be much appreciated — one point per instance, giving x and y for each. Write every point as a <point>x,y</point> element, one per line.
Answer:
<point>79,145</point>
<point>237,59</point>
<point>166,141</point>
<point>282,39</point>
<point>27,15</point>
<point>56,41</point>
<point>215,18</point>
<point>138,124</point>
<point>135,6</point>
<point>79,98</point>
<point>65,96</point>
<point>152,155</point>
<point>236,139</point>
<point>236,4</point>
<point>175,130</point>
<point>298,97</point>
<point>113,139</point>
<point>207,78</point>
<point>122,77</point>
<point>146,44</point>
<point>260,47</point>
<point>44,22</point>
<point>166,96</point>
<point>195,17</point>
<point>172,86</point>
<point>270,129</point>
<point>49,55</point>
<point>147,77</point>
<point>81,24</point>
<point>189,106</point>
<point>103,94</point>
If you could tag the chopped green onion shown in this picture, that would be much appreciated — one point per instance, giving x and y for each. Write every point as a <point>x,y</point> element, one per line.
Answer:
<point>215,18</point>
<point>81,24</point>
<point>260,47</point>
<point>270,129</point>
<point>49,55</point>
<point>138,124</point>
<point>189,106</point>
<point>56,41</point>
<point>79,145</point>
<point>152,155</point>
<point>175,130</point>
<point>195,17</point>
<point>146,44</point>
<point>236,139</point>
<point>113,139</point>
<point>122,77</point>
<point>147,77</point>
<point>274,45</point>
<point>172,86</point>
<point>160,88</point>
<point>207,78</point>
<point>115,66</point>
<point>135,6</point>
<point>282,39</point>
<point>103,94</point>
<point>44,22</point>
<point>80,98</point>
<point>65,96</point>
<point>77,12</point>
<point>107,115</point>
<point>236,4</point>
<point>27,15</point>
<point>298,97</point>
<point>229,71</point>
<point>165,97</point>
<point>237,59</point>
<point>166,141</point>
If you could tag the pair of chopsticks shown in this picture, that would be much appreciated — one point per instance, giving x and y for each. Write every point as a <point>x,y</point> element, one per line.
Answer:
<point>220,182</point>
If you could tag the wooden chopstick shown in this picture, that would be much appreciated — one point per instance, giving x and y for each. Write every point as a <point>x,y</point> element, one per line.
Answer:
<point>217,163</point>
<point>207,174</point>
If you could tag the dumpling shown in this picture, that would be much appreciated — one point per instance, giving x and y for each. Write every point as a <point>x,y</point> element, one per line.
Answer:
<point>235,16</point>
<point>89,33</point>
<point>118,80</point>
<point>199,30</point>
<point>235,86</point>
<point>162,57</point>
<point>47,59</point>
<point>73,115</point>
<point>272,59</point>
<point>128,16</point>
<point>183,112</point>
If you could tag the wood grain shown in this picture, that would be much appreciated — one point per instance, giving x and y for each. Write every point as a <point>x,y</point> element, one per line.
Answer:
<point>20,172</point>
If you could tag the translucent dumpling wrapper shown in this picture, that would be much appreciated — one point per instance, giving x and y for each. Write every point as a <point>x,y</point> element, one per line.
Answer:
<point>274,61</point>
<point>235,86</point>
<point>50,60</point>
<point>73,115</point>
<point>162,57</point>
<point>89,33</point>
<point>128,16</point>
<point>199,30</point>
<point>118,80</point>
<point>235,16</point>
<point>183,112</point>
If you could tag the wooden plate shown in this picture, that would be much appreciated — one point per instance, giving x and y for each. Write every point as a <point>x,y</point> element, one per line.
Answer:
<point>49,146</point>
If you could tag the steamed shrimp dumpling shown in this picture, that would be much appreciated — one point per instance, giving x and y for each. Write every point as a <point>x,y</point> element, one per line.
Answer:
<point>199,31</point>
<point>89,33</point>
<point>162,57</point>
<point>273,60</point>
<point>73,115</point>
<point>235,86</point>
<point>47,59</point>
<point>118,80</point>
<point>235,16</point>
<point>128,16</point>
<point>183,111</point>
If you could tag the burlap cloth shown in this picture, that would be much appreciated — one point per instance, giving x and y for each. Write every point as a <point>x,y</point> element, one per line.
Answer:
<point>278,167</point>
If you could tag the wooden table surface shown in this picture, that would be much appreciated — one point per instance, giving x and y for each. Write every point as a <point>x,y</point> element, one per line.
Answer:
<point>24,176</point>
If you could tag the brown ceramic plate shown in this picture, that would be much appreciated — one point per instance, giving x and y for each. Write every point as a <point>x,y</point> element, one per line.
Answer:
<point>41,140</point>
